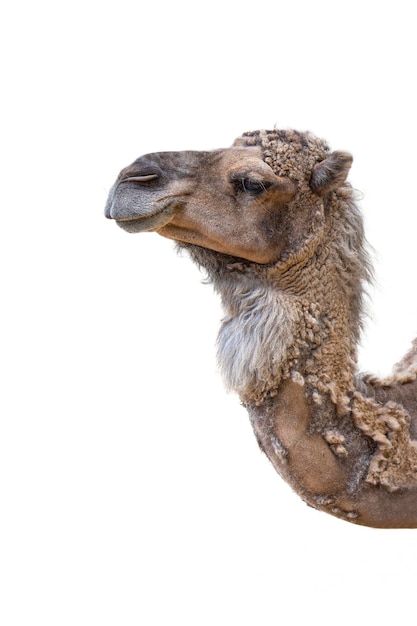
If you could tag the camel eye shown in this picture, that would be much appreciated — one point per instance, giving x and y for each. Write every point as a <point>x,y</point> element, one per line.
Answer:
<point>248,185</point>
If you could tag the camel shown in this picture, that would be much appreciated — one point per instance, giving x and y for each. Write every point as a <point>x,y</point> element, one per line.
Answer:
<point>274,223</point>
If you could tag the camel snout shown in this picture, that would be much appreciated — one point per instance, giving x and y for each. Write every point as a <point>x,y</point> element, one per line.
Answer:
<point>134,194</point>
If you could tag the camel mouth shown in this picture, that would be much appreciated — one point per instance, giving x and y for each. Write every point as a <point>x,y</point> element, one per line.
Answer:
<point>147,223</point>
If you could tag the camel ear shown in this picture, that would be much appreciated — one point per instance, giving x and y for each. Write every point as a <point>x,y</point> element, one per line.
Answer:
<point>331,173</point>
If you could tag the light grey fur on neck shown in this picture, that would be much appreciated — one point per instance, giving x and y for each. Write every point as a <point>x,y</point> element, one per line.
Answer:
<point>254,337</point>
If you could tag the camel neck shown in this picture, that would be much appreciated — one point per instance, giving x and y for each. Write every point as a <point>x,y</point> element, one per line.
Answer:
<point>273,332</point>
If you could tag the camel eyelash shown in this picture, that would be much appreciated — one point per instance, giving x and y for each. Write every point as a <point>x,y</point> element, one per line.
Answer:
<point>248,185</point>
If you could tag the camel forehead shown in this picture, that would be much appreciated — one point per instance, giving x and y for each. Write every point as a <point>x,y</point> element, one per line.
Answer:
<point>239,158</point>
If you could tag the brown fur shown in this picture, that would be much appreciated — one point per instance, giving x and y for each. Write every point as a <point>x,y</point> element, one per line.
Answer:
<point>276,227</point>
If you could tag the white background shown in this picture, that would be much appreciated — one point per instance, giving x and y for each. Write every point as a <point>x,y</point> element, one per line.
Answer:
<point>132,490</point>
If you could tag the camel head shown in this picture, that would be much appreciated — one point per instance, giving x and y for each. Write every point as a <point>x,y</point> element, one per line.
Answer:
<point>243,201</point>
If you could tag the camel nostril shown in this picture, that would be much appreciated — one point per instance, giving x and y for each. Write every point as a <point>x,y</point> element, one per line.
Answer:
<point>139,179</point>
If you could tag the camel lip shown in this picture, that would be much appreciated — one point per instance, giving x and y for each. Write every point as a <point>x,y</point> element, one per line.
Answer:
<point>147,223</point>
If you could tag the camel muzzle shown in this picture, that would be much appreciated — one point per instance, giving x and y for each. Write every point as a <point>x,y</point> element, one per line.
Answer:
<point>136,205</point>
<point>148,192</point>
